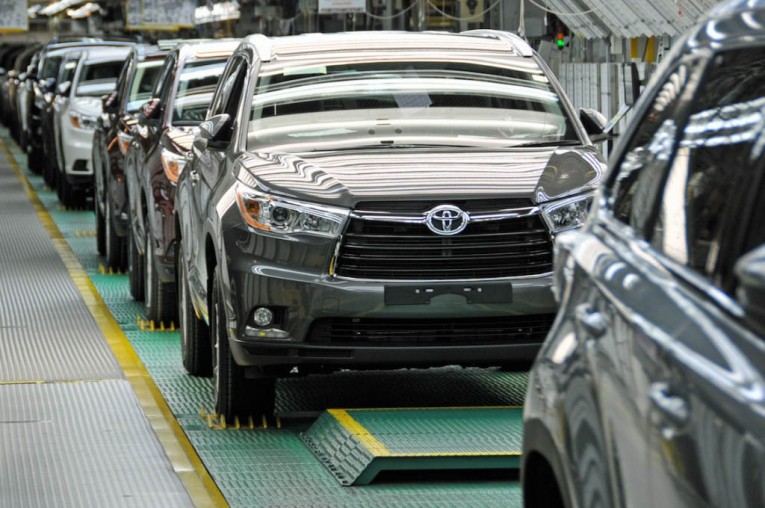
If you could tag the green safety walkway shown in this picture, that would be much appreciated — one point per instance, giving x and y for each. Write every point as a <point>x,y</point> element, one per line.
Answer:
<point>257,466</point>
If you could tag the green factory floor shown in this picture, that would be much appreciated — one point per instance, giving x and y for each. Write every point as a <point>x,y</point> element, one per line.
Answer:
<point>274,466</point>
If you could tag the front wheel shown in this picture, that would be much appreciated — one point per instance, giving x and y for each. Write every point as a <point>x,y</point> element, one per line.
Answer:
<point>115,248</point>
<point>235,395</point>
<point>158,296</point>
<point>135,268</point>
<point>100,230</point>
<point>195,335</point>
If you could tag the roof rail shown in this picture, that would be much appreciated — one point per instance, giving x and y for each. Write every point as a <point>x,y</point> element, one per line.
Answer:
<point>514,40</point>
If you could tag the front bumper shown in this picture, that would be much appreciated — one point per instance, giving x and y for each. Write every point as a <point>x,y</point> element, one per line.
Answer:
<point>303,299</point>
<point>77,146</point>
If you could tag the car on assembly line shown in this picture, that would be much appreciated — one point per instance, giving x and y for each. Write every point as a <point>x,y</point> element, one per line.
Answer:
<point>76,110</point>
<point>42,154</point>
<point>650,388</point>
<point>156,155</point>
<point>17,78</point>
<point>111,139</point>
<point>375,200</point>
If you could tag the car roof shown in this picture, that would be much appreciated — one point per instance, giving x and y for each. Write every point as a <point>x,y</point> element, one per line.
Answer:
<point>495,41</point>
<point>207,49</point>
<point>106,55</point>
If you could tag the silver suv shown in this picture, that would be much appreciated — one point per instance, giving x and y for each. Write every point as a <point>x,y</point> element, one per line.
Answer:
<point>373,200</point>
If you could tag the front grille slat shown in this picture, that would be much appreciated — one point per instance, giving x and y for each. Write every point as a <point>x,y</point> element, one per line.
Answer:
<point>389,250</point>
<point>430,332</point>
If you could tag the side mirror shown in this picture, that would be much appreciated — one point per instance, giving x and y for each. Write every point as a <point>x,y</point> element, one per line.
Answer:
<point>110,103</point>
<point>216,131</point>
<point>63,88</point>
<point>750,293</point>
<point>149,111</point>
<point>48,85</point>
<point>594,124</point>
<point>631,82</point>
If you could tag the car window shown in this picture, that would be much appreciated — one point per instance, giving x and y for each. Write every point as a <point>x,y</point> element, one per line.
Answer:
<point>50,67</point>
<point>643,166</point>
<point>477,100</point>
<point>98,78</point>
<point>700,213</point>
<point>196,86</point>
<point>165,78</point>
<point>230,89</point>
<point>145,76</point>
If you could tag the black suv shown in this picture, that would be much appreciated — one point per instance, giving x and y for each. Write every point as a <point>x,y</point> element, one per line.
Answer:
<point>375,199</point>
<point>650,388</point>
<point>110,144</point>
<point>155,158</point>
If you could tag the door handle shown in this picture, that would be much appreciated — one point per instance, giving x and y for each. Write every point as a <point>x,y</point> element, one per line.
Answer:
<point>673,407</point>
<point>591,320</point>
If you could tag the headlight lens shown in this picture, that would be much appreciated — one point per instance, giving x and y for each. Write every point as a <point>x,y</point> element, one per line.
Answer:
<point>80,121</point>
<point>567,213</point>
<point>173,165</point>
<point>271,213</point>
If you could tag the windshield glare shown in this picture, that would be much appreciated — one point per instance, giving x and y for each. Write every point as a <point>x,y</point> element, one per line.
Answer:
<point>143,81</point>
<point>475,102</point>
<point>196,86</point>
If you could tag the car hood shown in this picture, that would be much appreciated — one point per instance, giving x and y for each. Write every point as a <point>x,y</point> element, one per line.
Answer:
<point>348,177</point>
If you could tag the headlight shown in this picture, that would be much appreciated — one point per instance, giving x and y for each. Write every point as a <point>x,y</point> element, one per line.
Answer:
<point>567,213</point>
<point>271,213</point>
<point>173,164</point>
<point>80,121</point>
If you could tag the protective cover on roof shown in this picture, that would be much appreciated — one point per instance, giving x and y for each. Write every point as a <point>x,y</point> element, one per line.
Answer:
<point>627,18</point>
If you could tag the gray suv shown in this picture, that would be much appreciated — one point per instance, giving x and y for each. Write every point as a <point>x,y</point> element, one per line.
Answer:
<point>650,389</point>
<point>372,200</point>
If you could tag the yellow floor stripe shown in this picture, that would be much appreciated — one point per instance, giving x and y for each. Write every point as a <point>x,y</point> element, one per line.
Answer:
<point>375,447</point>
<point>180,451</point>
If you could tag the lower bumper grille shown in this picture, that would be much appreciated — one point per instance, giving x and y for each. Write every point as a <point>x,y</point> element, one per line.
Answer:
<point>430,332</point>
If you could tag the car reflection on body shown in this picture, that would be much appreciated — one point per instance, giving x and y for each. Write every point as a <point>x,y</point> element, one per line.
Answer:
<point>367,200</point>
<point>650,388</point>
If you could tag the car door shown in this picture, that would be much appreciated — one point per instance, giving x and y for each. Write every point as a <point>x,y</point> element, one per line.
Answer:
<point>613,304</point>
<point>707,420</point>
<point>208,164</point>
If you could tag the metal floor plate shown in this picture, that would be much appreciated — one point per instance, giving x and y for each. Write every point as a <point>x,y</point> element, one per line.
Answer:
<point>81,444</point>
<point>273,467</point>
<point>357,444</point>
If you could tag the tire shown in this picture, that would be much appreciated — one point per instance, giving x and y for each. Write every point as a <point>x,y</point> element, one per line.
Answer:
<point>135,268</point>
<point>114,245</point>
<point>34,161</point>
<point>195,335</point>
<point>100,230</point>
<point>234,394</point>
<point>158,297</point>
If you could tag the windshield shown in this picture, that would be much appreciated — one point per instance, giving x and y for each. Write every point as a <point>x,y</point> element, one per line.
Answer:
<point>97,79</point>
<point>143,81</point>
<point>473,102</point>
<point>196,85</point>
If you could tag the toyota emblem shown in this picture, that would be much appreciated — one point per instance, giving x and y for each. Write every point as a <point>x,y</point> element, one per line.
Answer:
<point>446,220</point>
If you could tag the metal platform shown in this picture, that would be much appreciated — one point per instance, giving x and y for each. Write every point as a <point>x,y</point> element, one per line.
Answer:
<point>357,444</point>
<point>273,466</point>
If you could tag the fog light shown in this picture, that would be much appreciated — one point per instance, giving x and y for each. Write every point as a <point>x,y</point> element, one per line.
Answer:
<point>262,316</point>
